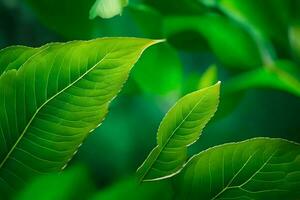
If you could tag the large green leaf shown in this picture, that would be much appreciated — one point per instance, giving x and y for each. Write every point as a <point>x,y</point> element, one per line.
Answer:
<point>259,168</point>
<point>231,44</point>
<point>181,127</point>
<point>50,102</point>
<point>14,56</point>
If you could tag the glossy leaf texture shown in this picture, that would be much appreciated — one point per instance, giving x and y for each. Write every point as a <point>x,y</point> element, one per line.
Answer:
<point>181,127</point>
<point>282,75</point>
<point>234,48</point>
<point>51,100</point>
<point>259,169</point>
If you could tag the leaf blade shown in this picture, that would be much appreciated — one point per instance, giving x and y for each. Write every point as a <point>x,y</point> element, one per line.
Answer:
<point>249,169</point>
<point>181,127</point>
<point>56,98</point>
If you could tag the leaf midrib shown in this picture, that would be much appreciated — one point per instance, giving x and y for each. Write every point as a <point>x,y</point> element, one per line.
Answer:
<point>46,102</point>
<point>164,145</point>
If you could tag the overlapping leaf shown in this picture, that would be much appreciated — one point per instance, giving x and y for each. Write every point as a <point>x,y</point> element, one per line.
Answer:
<point>52,97</point>
<point>181,127</point>
<point>261,168</point>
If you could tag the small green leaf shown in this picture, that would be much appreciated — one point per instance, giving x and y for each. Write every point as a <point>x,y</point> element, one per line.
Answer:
<point>181,127</point>
<point>209,77</point>
<point>260,168</point>
<point>231,44</point>
<point>107,8</point>
<point>52,97</point>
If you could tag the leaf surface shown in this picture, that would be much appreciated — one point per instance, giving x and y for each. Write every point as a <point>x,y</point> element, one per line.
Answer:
<point>260,168</point>
<point>181,127</point>
<point>50,102</point>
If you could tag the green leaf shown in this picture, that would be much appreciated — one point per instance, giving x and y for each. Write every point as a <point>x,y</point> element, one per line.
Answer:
<point>181,127</point>
<point>130,189</point>
<point>54,99</point>
<point>209,77</point>
<point>107,8</point>
<point>260,168</point>
<point>234,47</point>
<point>74,183</point>
<point>282,75</point>
<point>14,56</point>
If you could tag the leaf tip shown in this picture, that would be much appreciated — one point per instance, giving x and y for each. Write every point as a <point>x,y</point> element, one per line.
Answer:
<point>158,41</point>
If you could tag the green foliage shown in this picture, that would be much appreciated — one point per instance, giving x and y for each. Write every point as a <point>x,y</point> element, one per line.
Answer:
<point>107,8</point>
<point>260,168</point>
<point>181,127</point>
<point>51,98</point>
<point>254,44</point>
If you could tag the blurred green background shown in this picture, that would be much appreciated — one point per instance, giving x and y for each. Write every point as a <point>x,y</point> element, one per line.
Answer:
<point>252,46</point>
